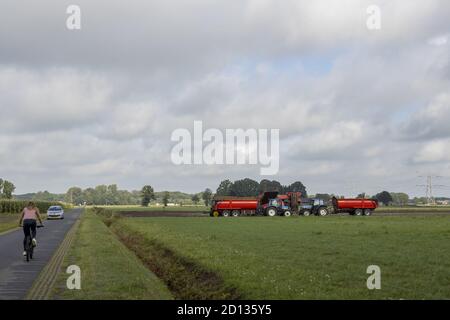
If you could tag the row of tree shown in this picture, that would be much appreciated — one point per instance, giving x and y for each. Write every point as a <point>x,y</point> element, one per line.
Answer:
<point>6,189</point>
<point>250,188</point>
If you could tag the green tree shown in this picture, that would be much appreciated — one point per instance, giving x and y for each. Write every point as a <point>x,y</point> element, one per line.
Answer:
<point>224,188</point>
<point>207,196</point>
<point>165,199</point>
<point>400,198</point>
<point>195,198</point>
<point>147,195</point>
<point>267,185</point>
<point>74,195</point>
<point>384,197</point>
<point>297,186</point>
<point>8,189</point>
<point>245,188</point>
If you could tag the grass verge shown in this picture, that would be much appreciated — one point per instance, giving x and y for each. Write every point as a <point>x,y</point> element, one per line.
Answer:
<point>186,279</point>
<point>108,269</point>
<point>9,221</point>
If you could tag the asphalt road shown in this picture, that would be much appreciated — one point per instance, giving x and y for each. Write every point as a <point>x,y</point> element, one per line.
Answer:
<point>17,275</point>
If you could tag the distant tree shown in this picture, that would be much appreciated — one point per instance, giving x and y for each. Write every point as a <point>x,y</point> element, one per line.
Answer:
<point>206,196</point>
<point>147,195</point>
<point>74,195</point>
<point>245,188</point>
<point>224,188</point>
<point>297,186</point>
<point>195,198</point>
<point>8,189</point>
<point>384,197</point>
<point>267,185</point>
<point>400,198</point>
<point>166,198</point>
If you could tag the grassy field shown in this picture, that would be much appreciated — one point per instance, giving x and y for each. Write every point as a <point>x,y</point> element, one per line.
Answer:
<point>157,208</point>
<point>8,221</point>
<point>412,209</point>
<point>297,258</point>
<point>108,269</point>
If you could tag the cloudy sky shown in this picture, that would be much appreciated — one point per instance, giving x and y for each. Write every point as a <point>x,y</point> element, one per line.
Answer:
<point>358,109</point>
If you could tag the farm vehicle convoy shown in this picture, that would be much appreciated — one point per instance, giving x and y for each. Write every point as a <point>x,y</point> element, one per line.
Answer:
<point>271,203</point>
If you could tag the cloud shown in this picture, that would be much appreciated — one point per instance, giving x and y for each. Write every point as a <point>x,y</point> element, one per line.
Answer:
<point>99,105</point>
<point>430,122</point>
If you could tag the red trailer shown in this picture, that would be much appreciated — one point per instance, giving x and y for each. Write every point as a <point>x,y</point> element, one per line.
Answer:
<point>356,207</point>
<point>269,203</point>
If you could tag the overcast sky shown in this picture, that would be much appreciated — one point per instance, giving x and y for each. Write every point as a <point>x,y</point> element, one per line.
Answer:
<point>358,109</point>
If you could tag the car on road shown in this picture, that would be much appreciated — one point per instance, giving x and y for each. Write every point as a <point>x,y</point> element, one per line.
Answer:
<point>55,212</point>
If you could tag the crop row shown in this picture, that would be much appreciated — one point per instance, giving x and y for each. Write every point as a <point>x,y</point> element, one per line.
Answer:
<point>16,206</point>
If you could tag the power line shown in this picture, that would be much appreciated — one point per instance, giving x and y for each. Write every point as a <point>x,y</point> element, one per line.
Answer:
<point>430,186</point>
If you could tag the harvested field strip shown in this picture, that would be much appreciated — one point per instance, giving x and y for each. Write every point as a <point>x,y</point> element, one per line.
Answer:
<point>185,279</point>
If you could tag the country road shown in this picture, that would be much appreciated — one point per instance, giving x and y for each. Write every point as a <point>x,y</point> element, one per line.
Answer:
<point>17,275</point>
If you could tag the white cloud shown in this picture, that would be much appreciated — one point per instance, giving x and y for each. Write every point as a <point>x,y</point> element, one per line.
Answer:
<point>98,106</point>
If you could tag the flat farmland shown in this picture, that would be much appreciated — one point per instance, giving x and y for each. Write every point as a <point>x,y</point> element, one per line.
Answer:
<point>298,257</point>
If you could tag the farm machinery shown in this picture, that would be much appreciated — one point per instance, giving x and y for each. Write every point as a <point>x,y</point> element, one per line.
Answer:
<point>271,204</point>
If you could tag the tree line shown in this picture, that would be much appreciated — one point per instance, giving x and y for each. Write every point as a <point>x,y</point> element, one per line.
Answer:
<point>251,188</point>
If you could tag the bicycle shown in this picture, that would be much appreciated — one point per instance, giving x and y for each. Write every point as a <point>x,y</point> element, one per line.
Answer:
<point>29,248</point>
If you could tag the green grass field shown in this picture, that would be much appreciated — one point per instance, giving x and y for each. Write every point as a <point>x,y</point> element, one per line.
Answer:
<point>424,209</point>
<point>108,269</point>
<point>157,208</point>
<point>8,221</point>
<point>313,258</point>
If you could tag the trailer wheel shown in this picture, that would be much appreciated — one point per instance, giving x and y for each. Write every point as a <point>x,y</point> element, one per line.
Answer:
<point>358,212</point>
<point>367,212</point>
<point>271,212</point>
<point>235,213</point>
<point>323,211</point>
<point>215,214</point>
<point>287,213</point>
<point>226,213</point>
<point>306,213</point>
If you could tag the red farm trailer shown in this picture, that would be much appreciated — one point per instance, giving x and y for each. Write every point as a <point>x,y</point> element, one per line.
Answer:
<point>269,203</point>
<point>355,207</point>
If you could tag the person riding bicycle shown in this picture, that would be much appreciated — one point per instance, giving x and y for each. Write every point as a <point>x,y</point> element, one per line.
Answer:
<point>28,220</point>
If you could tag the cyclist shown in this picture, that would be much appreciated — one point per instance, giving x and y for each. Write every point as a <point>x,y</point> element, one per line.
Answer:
<point>28,219</point>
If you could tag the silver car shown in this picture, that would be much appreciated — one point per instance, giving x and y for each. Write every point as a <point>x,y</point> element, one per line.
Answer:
<point>55,212</point>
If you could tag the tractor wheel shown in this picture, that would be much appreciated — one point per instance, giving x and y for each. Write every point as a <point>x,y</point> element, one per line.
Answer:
<point>235,213</point>
<point>367,212</point>
<point>226,213</point>
<point>306,213</point>
<point>287,213</point>
<point>322,212</point>
<point>358,212</point>
<point>271,212</point>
